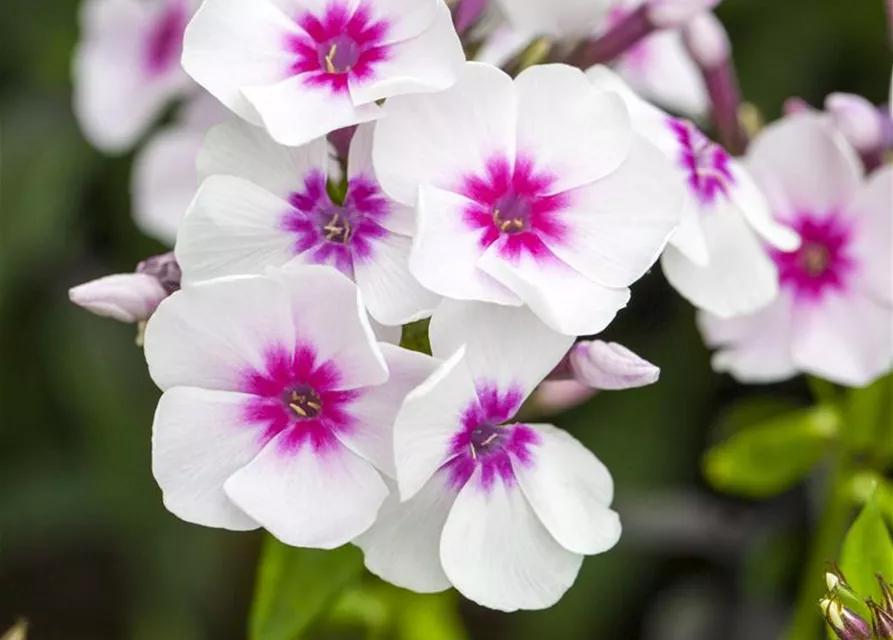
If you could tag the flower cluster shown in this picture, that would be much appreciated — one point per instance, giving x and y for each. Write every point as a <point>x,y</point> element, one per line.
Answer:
<point>348,172</point>
<point>839,604</point>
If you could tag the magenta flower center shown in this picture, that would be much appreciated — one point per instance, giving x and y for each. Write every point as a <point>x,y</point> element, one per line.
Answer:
<point>707,165</point>
<point>338,54</point>
<point>513,204</point>
<point>165,40</point>
<point>303,401</point>
<point>823,261</point>
<point>485,442</point>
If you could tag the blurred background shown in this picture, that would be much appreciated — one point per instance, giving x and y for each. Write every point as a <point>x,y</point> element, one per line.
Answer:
<point>87,551</point>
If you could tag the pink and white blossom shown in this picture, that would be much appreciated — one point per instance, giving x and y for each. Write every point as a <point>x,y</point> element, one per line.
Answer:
<point>834,316</point>
<point>716,258</point>
<point>278,405</point>
<point>126,67</point>
<point>504,511</point>
<point>303,68</point>
<point>266,205</point>
<point>534,191</point>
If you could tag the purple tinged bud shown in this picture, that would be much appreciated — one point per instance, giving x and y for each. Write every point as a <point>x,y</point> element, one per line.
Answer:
<point>887,593</point>
<point>882,621</point>
<point>857,119</point>
<point>126,297</point>
<point>555,396</point>
<point>467,12</point>
<point>608,365</point>
<point>671,14</point>
<point>846,624</point>
<point>707,41</point>
<point>796,105</point>
<point>164,268</point>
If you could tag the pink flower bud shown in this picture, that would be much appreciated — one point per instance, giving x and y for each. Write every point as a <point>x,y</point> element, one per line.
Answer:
<point>845,623</point>
<point>882,622</point>
<point>794,105</point>
<point>857,119</point>
<point>670,14</point>
<point>127,297</point>
<point>608,365</point>
<point>707,41</point>
<point>555,396</point>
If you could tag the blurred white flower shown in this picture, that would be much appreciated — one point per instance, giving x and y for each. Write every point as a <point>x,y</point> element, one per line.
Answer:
<point>126,68</point>
<point>834,315</point>
<point>501,510</point>
<point>305,68</point>
<point>534,191</point>
<point>715,259</point>
<point>281,415</point>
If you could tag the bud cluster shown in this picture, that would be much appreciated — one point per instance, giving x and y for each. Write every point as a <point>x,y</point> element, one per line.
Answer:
<point>840,604</point>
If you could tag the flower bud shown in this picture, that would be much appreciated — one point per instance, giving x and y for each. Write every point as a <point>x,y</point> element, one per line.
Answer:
<point>127,297</point>
<point>882,621</point>
<point>847,625</point>
<point>887,592</point>
<point>671,14</point>
<point>164,268</point>
<point>794,105</point>
<point>707,41</point>
<point>608,365</point>
<point>555,396</point>
<point>857,119</point>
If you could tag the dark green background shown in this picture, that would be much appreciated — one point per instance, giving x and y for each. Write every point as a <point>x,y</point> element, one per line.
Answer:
<point>86,548</point>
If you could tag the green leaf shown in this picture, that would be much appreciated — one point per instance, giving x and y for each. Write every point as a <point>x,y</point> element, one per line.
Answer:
<point>771,456</point>
<point>867,551</point>
<point>415,337</point>
<point>869,418</point>
<point>431,617</point>
<point>295,586</point>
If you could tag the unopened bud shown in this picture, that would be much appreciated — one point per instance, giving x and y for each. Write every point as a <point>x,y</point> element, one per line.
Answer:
<point>555,396</point>
<point>887,593</point>
<point>608,365</point>
<point>882,621</point>
<point>163,268</point>
<point>671,14</point>
<point>795,105</point>
<point>845,623</point>
<point>707,41</point>
<point>127,297</point>
<point>857,119</point>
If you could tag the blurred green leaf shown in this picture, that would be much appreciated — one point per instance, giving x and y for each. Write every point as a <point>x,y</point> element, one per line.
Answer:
<point>415,336</point>
<point>431,617</point>
<point>751,411</point>
<point>869,418</point>
<point>771,456</point>
<point>867,551</point>
<point>295,586</point>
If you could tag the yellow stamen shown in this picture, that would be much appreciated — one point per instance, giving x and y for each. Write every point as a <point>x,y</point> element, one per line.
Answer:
<point>330,67</point>
<point>298,409</point>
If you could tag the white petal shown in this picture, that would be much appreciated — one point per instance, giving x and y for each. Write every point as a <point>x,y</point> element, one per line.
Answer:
<point>689,237</point>
<point>446,251</point>
<point>295,113</point>
<point>391,293</point>
<point>426,423</point>
<point>508,345</point>
<point>319,499</point>
<point>847,339</point>
<point>566,18</point>
<point>746,194</point>
<point>386,334</point>
<point>503,44</point>
<point>239,149</point>
<point>564,299</point>
<point>199,439</point>
<point>497,552</point>
<point>618,225</point>
<point>439,139</point>
<point>666,74</point>
<point>232,227</point>
<point>755,348</point>
<point>377,407</point>
<point>802,164</point>
<point>327,311</point>
<point>609,365</point>
<point>570,491</point>
<point>430,61</point>
<point>872,239</point>
<point>568,128</point>
<point>164,181</point>
<point>210,334</point>
<point>231,44</point>
<point>740,277</point>
<point>403,546</point>
<point>406,18</point>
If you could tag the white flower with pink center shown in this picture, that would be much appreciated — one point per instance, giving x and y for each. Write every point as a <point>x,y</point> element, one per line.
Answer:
<point>834,316</point>
<point>266,205</point>
<point>716,258</point>
<point>303,68</point>
<point>278,405</point>
<point>534,191</point>
<point>127,67</point>
<point>504,511</point>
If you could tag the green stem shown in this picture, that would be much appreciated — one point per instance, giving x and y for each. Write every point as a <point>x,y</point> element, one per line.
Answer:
<point>832,527</point>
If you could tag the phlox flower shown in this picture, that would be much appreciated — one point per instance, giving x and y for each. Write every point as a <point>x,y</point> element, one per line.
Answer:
<point>834,315</point>
<point>716,258</point>
<point>534,191</point>
<point>303,68</point>
<point>504,511</point>
<point>126,67</point>
<point>277,407</point>
<point>165,177</point>
<point>266,204</point>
